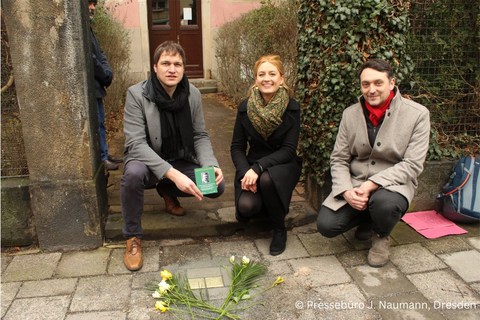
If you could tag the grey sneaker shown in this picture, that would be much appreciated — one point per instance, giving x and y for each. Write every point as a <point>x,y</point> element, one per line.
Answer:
<point>379,253</point>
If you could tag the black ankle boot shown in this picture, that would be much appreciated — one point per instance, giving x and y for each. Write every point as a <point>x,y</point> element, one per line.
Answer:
<point>279,242</point>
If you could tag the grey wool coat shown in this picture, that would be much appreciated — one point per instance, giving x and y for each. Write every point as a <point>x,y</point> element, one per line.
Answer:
<point>143,138</point>
<point>396,159</point>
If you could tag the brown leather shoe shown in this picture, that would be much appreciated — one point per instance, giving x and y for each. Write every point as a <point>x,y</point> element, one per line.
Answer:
<point>109,165</point>
<point>172,205</point>
<point>133,255</point>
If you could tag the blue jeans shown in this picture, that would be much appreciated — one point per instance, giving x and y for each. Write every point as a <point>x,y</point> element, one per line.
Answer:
<point>101,130</point>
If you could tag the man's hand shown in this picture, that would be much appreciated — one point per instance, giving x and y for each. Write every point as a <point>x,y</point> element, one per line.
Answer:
<point>183,183</point>
<point>249,181</point>
<point>218,175</point>
<point>356,199</point>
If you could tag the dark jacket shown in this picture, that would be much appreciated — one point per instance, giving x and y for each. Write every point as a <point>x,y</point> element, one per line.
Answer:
<point>101,68</point>
<point>277,154</point>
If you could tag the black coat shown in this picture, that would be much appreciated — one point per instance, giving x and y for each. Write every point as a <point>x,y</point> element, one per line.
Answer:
<point>278,154</point>
<point>101,68</point>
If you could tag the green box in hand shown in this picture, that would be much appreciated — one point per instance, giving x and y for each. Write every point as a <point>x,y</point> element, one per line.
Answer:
<point>205,178</point>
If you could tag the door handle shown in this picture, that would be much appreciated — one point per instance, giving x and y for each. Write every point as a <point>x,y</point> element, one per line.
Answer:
<point>178,39</point>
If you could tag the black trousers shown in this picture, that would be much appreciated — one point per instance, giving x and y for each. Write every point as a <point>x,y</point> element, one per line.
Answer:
<point>136,178</point>
<point>384,210</point>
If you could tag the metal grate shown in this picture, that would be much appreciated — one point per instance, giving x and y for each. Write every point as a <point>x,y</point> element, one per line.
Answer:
<point>444,45</point>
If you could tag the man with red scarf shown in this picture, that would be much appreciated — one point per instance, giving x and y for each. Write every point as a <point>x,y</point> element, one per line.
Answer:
<point>379,152</point>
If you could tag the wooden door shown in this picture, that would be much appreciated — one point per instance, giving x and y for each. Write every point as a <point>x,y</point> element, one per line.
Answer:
<point>179,21</point>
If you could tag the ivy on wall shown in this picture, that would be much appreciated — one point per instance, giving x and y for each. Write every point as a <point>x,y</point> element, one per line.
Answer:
<point>335,38</point>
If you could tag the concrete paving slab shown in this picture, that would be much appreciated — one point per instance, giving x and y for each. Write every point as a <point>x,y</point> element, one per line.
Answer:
<point>83,263</point>
<point>175,242</point>
<point>286,301</point>
<point>9,291</point>
<point>476,287</point>
<point>227,214</point>
<point>142,307</point>
<point>294,249</point>
<point>442,288</point>
<point>104,315</point>
<point>5,260</point>
<point>319,271</point>
<point>410,306</point>
<point>412,258</point>
<point>279,268</point>
<point>31,267</point>
<point>141,280</point>
<point>474,242</point>
<point>357,244</point>
<point>182,254</point>
<point>446,245</point>
<point>306,228</point>
<point>318,245</point>
<point>464,314</point>
<point>464,263</point>
<point>150,256</point>
<point>378,282</point>
<point>51,308</point>
<point>204,272</point>
<point>403,234</point>
<point>43,288</point>
<point>235,248</point>
<point>353,258</point>
<point>102,293</point>
<point>343,301</point>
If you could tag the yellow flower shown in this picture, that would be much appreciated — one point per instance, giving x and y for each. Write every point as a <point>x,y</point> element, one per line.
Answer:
<point>166,275</point>
<point>278,281</point>
<point>160,305</point>
<point>232,259</point>
<point>163,287</point>
<point>245,260</point>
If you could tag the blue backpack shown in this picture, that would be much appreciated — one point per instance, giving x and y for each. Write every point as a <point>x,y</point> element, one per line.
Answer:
<point>461,195</point>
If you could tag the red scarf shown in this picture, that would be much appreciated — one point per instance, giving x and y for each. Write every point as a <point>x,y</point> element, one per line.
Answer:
<point>377,113</point>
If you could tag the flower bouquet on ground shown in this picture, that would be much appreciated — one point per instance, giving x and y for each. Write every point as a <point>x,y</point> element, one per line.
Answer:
<point>175,295</point>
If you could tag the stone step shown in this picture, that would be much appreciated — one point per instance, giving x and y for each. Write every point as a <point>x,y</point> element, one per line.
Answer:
<point>205,85</point>
<point>207,221</point>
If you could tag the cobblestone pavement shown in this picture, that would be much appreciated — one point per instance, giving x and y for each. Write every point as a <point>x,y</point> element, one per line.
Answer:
<point>324,278</point>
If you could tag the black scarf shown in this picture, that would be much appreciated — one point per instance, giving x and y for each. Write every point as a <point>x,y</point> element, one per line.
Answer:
<point>175,120</point>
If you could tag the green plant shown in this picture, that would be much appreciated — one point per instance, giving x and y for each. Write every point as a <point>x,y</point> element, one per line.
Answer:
<point>335,39</point>
<point>271,29</point>
<point>114,40</point>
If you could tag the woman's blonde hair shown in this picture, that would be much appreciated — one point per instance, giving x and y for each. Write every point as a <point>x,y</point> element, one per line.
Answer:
<point>277,62</point>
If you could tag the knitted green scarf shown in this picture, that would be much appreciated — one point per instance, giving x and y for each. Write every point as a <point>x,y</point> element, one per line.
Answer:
<point>265,119</point>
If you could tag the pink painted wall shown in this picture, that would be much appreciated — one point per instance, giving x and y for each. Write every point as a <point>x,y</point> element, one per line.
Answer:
<point>127,11</point>
<point>223,11</point>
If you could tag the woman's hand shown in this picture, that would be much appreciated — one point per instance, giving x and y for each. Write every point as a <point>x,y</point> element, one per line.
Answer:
<point>249,181</point>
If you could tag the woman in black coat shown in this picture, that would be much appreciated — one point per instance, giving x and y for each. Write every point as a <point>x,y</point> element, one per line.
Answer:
<point>269,123</point>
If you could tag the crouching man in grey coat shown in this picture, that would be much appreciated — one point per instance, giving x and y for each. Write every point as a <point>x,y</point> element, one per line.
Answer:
<point>165,140</point>
<point>379,152</point>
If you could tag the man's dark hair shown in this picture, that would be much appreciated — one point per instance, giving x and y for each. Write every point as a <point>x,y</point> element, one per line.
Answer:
<point>379,65</point>
<point>171,48</point>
